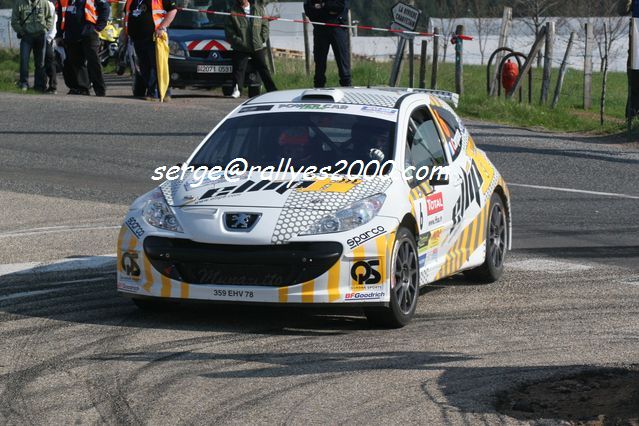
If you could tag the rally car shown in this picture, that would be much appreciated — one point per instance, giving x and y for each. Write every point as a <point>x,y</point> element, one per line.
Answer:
<point>360,235</point>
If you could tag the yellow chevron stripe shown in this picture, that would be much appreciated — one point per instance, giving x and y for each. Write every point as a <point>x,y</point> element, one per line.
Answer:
<point>184,291</point>
<point>165,291</point>
<point>390,243</point>
<point>464,248</point>
<point>333,282</point>
<point>473,236</point>
<point>148,273</point>
<point>381,253</point>
<point>120,238</point>
<point>307,291</point>
<point>482,226</point>
<point>283,294</point>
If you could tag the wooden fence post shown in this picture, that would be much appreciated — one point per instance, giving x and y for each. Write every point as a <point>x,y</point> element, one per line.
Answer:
<point>588,67</point>
<point>459,60</point>
<point>411,63</point>
<point>506,24</point>
<point>307,49</point>
<point>422,64</point>
<point>548,52</point>
<point>562,71</point>
<point>350,38</point>
<point>433,75</point>
<point>531,57</point>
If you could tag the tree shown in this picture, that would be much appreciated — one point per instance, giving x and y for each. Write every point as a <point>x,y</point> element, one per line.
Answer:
<point>536,13</point>
<point>483,12</point>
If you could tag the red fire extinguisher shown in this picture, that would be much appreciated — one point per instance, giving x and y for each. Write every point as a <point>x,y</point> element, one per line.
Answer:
<point>509,74</point>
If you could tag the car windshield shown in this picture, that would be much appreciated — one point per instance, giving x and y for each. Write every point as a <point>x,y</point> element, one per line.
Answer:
<point>198,20</point>
<point>318,139</point>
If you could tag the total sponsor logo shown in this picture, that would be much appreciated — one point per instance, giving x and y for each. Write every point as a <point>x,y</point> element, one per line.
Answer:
<point>435,203</point>
<point>318,106</point>
<point>365,236</point>
<point>366,295</point>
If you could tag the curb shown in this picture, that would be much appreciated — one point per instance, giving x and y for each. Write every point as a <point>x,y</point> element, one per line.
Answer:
<point>65,269</point>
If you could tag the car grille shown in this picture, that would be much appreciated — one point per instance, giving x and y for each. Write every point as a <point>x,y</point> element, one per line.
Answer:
<point>205,54</point>
<point>225,264</point>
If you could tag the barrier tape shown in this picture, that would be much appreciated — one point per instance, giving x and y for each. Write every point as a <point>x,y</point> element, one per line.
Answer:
<point>306,21</point>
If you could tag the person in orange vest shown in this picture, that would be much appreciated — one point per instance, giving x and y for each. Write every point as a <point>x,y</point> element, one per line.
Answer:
<point>79,22</point>
<point>142,20</point>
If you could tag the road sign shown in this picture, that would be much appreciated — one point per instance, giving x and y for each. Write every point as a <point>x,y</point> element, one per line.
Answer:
<point>396,26</point>
<point>406,16</point>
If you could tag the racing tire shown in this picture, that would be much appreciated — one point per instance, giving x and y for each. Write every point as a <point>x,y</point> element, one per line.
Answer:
<point>139,86</point>
<point>227,90</point>
<point>254,91</point>
<point>496,241</point>
<point>404,276</point>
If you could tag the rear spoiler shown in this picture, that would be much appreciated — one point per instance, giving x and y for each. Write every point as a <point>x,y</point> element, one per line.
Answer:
<point>449,97</point>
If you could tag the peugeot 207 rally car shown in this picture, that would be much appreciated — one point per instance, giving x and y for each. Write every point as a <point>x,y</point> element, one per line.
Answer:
<point>370,240</point>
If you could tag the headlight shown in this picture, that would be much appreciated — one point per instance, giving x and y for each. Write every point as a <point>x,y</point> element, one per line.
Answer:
<point>157,213</point>
<point>355,215</point>
<point>175,49</point>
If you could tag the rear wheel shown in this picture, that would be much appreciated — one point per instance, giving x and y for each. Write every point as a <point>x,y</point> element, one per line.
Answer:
<point>496,240</point>
<point>404,270</point>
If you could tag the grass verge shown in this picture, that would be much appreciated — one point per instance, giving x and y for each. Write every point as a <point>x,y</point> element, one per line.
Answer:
<point>569,116</point>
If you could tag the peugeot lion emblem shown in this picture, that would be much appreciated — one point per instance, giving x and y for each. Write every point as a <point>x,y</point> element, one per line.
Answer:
<point>241,222</point>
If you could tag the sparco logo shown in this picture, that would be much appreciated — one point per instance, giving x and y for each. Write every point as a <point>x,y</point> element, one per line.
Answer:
<point>364,272</point>
<point>435,203</point>
<point>470,192</point>
<point>365,236</point>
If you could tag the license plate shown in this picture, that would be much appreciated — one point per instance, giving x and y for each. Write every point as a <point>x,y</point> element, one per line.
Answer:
<point>215,69</point>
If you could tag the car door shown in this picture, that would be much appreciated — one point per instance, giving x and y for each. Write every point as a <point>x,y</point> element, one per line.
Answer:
<point>432,199</point>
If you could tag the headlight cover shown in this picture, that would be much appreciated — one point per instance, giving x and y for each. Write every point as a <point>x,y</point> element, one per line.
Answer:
<point>175,49</point>
<point>355,215</point>
<point>157,213</point>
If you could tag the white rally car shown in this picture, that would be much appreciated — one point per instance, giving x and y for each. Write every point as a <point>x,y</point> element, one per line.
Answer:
<point>370,240</point>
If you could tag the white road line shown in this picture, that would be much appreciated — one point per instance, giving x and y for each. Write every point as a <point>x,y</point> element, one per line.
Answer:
<point>54,229</point>
<point>579,191</point>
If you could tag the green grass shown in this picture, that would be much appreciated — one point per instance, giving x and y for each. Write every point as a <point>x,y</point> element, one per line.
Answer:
<point>9,69</point>
<point>569,115</point>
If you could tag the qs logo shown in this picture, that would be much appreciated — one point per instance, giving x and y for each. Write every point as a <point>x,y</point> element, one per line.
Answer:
<point>364,272</point>
<point>130,264</point>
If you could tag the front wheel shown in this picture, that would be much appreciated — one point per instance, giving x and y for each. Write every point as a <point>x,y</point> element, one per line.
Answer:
<point>496,240</point>
<point>404,287</point>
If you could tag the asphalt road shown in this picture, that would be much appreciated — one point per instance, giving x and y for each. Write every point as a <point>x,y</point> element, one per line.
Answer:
<point>76,352</point>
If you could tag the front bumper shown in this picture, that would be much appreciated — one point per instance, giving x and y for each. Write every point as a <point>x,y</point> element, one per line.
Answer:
<point>322,272</point>
<point>183,72</point>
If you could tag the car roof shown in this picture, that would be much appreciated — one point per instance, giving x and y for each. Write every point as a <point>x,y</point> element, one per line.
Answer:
<point>388,97</point>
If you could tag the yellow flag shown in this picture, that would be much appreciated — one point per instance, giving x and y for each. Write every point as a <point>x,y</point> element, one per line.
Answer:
<point>162,64</point>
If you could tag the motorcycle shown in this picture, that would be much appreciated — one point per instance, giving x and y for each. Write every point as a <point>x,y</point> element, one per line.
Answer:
<point>109,43</point>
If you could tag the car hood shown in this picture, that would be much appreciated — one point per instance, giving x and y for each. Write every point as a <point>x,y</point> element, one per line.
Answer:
<point>285,193</point>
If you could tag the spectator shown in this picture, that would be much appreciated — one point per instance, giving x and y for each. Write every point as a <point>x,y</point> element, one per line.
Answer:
<point>142,20</point>
<point>330,12</point>
<point>49,60</point>
<point>31,20</point>
<point>247,37</point>
<point>80,21</point>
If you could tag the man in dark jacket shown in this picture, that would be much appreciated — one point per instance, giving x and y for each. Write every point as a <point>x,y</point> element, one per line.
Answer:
<point>247,37</point>
<point>31,20</point>
<point>330,12</point>
<point>79,22</point>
